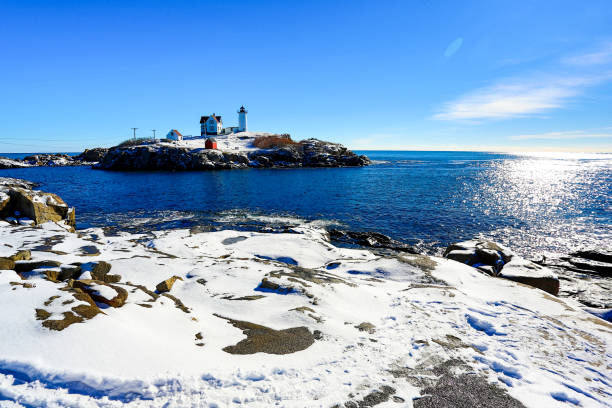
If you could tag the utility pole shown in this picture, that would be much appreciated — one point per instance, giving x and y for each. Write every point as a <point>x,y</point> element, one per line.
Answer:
<point>154,138</point>
<point>134,129</point>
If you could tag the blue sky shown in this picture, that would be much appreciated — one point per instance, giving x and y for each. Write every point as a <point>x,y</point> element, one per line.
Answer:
<point>469,75</point>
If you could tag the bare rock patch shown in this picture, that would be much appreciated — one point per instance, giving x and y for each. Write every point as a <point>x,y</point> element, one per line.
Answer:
<point>262,339</point>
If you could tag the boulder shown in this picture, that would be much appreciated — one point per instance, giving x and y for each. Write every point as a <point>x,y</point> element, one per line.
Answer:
<point>24,255</point>
<point>92,155</point>
<point>594,255</point>
<point>366,327</point>
<point>529,273</point>
<point>479,253</point>
<point>102,292</point>
<point>369,239</point>
<point>267,285</point>
<point>39,206</point>
<point>465,256</point>
<point>100,271</point>
<point>52,274</point>
<point>482,247</point>
<point>166,285</point>
<point>600,268</point>
<point>68,272</point>
<point>490,257</point>
<point>6,263</point>
<point>19,200</point>
<point>496,260</point>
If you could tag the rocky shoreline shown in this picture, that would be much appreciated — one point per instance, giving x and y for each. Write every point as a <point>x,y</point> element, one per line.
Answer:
<point>201,316</point>
<point>41,160</point>
<point>89,157</point>
<point>168,156</point>
<point>308,153</point>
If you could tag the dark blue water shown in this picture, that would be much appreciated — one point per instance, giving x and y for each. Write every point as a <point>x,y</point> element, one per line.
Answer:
<point>533,203</point>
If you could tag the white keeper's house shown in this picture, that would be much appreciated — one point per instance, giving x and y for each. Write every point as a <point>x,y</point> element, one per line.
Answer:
<point>213,124</point>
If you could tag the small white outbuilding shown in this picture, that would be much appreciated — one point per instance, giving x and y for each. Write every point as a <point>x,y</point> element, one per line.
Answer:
<point>174,135</point>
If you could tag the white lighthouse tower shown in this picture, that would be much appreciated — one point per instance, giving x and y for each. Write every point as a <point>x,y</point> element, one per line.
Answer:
<point>242,123</point>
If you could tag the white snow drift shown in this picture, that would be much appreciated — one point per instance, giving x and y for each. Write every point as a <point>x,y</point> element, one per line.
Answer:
<point>422,311</point>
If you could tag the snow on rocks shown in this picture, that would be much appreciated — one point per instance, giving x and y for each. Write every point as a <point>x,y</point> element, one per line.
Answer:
<point>23,205</point>
<point>235,151</point>
<point>87,158</point>
<point>101,292</point>
<point>6,163</point>
<point>241,141</point>
<point>357,326</point>
<point>497,260</point>
<point>529,273</point>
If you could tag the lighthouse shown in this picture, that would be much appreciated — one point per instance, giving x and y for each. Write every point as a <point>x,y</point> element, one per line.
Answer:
<point>242,123</point>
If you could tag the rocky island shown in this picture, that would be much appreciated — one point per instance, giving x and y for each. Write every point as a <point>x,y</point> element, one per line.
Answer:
<point>100,317</point>
<point>236,151</point>
<point>89,157</point>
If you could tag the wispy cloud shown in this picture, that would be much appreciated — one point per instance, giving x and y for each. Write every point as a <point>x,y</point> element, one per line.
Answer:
<point>531,94</point>
<point>453,47</point>
<point>566,135</point>
<point>516,97</point>
<point>599,57</point>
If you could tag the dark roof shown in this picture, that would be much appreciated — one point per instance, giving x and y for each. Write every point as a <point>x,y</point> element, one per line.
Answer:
<point>203,119</point>
<point>212,139</point>
<point>242,109</point>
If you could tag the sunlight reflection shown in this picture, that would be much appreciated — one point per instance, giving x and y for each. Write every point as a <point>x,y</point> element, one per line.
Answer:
<point>541,190</point>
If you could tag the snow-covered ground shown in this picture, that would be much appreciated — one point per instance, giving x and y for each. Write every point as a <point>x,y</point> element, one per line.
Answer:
<point>233,142</point>
<point>384,321</point>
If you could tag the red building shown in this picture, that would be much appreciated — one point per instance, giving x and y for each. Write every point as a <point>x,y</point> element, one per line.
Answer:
<point>210,143</point>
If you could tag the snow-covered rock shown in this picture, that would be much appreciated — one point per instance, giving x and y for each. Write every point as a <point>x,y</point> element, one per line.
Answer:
<point>529,273</point>
<point>496,260</point>
<point>191,155</point>
<point>284,319</point>
<point>17,199</point>
<point>6,163</point>
<point>87,158</point>
<point>102,292</point>
<point>333,326</point>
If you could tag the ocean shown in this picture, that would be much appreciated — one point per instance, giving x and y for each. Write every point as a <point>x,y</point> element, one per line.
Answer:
<point>549,203</point>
